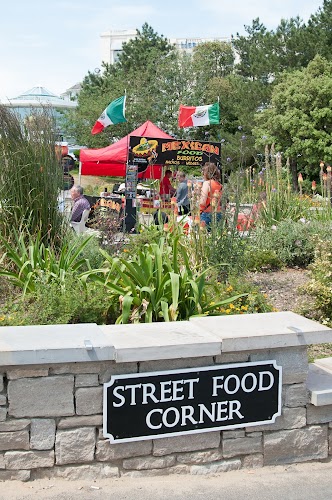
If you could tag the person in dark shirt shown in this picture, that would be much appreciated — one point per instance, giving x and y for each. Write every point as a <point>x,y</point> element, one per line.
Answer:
<point>80,203</point>
<point>182,195</point>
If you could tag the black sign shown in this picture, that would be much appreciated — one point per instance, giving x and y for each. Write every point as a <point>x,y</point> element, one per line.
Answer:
<point>131,188</point>
<point>169,403</point>
<point>144,151</point>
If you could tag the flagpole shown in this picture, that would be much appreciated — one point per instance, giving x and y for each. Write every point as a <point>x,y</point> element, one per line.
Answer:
<point>79,172</point>
<point>125,211</point>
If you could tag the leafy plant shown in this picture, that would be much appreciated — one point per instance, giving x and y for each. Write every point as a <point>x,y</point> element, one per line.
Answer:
<point>262,260</point>
<point>318,288</point>
<point>157,284</point>
<point>292,242</point>
<point>52,303</point>
<point>25,263</point>
<point>31,175</point>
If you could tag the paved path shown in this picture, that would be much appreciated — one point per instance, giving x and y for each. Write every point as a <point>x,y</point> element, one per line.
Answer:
<point>309,481</point>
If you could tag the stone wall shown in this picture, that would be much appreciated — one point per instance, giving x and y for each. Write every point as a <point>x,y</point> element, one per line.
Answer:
<point>51,412</point>
<point>51,424</point>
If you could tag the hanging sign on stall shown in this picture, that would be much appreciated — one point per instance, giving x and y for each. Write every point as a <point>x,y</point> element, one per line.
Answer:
<point>144,151</point>
<point>176,402</point>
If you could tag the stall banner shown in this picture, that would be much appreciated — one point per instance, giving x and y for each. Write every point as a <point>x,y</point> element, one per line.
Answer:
<point>144,151</point>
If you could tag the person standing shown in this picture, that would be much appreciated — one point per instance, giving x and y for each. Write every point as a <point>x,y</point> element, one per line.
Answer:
<point>182,199</point>
<point>80,203</point>
<point>210,199</point>
<point>166,190</point>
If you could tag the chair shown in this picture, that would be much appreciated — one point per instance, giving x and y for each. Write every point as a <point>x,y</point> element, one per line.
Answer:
<point>80,227</point>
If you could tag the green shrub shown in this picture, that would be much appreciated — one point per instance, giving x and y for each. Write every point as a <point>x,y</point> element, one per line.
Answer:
<point>90,253</point>
<point>319,286</point>
<point>262,260</point>
<point>293,242</point>
<point>54,304</point>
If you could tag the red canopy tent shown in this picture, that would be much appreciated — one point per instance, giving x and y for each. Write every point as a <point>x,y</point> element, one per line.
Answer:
<point>111,161</point>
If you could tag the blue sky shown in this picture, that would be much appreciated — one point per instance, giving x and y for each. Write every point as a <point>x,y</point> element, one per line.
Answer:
<point>55,44</point>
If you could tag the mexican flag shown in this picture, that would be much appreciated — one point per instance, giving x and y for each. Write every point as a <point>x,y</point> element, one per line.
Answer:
<point>198,116</point>
<point>113,114</point>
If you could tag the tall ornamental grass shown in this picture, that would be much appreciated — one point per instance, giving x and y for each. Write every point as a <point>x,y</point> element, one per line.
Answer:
<point>30,175</point>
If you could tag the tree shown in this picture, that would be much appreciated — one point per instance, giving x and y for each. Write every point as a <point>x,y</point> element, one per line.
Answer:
<point>143,70</point>
<point>299,119</point>
<point>145,47</point>
<point>255,52</point>
<point>320,29</point>
<point>213,60</point>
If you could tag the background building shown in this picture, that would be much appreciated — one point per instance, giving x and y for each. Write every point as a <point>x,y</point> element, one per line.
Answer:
<point>38,98</point>
<point>112,41</point>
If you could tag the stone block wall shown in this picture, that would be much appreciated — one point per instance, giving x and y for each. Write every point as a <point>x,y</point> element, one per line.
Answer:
<point>51,424</point>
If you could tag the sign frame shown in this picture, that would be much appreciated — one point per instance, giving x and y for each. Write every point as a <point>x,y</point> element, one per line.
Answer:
<point>184,371</point>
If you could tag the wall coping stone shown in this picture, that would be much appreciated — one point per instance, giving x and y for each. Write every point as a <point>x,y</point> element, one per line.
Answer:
<point>205,336</point>
<point>265,331</point>
<point>319,382</point>
<point>34,345</point>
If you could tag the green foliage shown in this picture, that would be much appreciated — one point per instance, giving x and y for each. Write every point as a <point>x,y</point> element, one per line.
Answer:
<point>90,253</point>
<point>257,259</point>
<point>31,175</point>
<point>318,288</point>
<point>293,242</point>
<point>252,300</point>
<point>146,41</point>
<point>157,284</point>
<point>24,263</point>
<point>299,119</point>
<point>224,248</point>
<point>56,302</point>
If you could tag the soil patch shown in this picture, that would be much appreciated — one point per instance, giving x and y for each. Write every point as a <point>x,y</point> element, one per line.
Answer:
<point>282,290</point>
<point>282,287</point>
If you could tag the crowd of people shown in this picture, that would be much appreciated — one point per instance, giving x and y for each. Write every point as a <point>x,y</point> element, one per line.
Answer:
<point>210,194</point>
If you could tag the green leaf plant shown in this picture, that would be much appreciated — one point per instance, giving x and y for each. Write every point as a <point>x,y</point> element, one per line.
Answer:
<point>156,284</point>
<point>24,262</point>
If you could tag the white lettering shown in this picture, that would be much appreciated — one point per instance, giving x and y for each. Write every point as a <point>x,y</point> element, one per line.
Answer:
<point>177,389</point>
<point>133,392</point>
<point>148,392</point>
<point>191,382</point>
<point>176,419</point>
<point>221,410</point>
<point>119,396</point>
<point>148,419</point>
<point>261,386</point>
<point>237,384</point>
<point>217,386</point>
<point>203,409</point>
<point>253,382</point>
<point>165,388</point>
<point>232,410</point>
<point>187,414</point>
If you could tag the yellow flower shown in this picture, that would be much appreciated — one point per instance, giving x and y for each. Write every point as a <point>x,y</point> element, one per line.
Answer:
<point>2,318</point>
<point>231,306</point>
<point>229,289</point>
<point>244,308</point>
<point>228,311</point>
